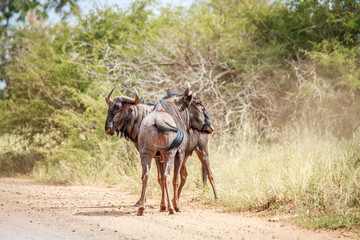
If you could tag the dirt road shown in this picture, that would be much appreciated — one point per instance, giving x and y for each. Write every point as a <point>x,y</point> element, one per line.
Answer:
<point>30,210</point>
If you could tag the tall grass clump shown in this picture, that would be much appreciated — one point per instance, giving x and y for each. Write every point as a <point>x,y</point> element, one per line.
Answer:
<point>310,175</point>
<point>19,152</point>
<point>16,157</point>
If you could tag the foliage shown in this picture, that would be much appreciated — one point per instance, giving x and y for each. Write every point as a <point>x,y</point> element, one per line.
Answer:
<point>14,12</point>
<point>20,9</point>
<point>279,78</point>
<point>43,79</point>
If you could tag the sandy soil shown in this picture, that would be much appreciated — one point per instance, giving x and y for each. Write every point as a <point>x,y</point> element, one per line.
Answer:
<point>29,210</point>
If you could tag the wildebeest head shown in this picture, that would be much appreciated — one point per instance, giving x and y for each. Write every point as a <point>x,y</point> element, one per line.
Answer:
<point>199,117</point>
<point>118,105</point>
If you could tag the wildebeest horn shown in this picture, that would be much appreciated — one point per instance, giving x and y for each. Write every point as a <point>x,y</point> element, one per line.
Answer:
<point>108,100</point>
<point>137,98</point>
<point>130,100</point>
<point>187,90</point>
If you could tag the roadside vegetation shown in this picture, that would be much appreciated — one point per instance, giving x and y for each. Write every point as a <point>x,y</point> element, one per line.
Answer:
<point>281,80</point>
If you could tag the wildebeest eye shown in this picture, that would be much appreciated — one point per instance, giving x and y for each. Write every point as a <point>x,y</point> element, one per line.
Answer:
<point>118,105</point>
<point>114,109</point>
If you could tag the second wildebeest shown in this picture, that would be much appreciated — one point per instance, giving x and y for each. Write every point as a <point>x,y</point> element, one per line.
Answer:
<point>165,131</point>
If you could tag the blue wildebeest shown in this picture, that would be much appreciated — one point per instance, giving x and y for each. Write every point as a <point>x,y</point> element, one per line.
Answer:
<point>125,115</point>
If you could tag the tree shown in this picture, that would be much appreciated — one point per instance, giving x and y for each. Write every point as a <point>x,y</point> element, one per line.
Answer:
<point>19,9</point>
<point>16,11</point>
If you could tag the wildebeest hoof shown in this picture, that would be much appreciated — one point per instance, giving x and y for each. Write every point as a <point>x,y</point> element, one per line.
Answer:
<point>162,208</point>
<point>171,211</point>
<point>177,209</point>
<point>140,211</point>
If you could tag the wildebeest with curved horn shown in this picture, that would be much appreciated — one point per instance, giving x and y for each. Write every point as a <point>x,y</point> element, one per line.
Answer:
<point>130,113</point>
<point>126,114</point>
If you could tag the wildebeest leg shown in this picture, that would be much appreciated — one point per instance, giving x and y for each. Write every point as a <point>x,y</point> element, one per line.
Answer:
<point>137,204</point>
<point>146,164</point>
<point>183,176</point>
<point>168,164</point>
<point>203,155</point>
<point>160,170</point>
<point>179,159</point>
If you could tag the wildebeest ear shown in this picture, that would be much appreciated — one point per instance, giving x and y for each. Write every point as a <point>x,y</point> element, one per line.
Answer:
<point>188,99</point>
<point>187,90</point>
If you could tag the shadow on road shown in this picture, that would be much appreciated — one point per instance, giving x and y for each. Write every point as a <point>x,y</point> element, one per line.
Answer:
<point>106,213</point>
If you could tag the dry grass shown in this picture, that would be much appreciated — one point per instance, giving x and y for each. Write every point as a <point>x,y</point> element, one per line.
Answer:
<point>304,174</point>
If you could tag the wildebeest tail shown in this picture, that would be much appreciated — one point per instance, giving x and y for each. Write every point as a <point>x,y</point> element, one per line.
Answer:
<point>176,141</point>
<point>204,176</point>
<point>179,138</point>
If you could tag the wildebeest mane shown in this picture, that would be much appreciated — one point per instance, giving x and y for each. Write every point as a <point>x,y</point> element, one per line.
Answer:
<point>170,94</point>
<point>131,120</point>
<point>174,108</point>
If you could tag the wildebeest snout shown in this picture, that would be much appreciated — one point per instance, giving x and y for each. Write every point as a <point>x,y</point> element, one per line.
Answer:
<point>208,128</point>
<point>109,128</point>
